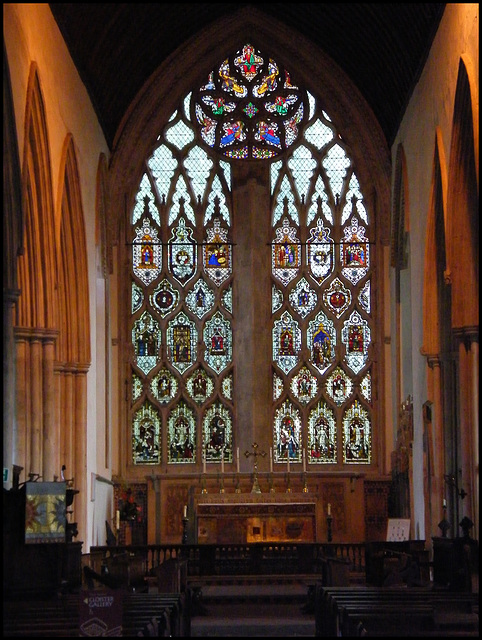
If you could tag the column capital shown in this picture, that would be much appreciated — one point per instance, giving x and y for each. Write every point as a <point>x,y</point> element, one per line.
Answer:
<point>33,334</point>
<point>466,335</point>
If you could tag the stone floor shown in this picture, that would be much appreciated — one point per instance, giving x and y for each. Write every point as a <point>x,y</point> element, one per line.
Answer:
<point>251,611</point>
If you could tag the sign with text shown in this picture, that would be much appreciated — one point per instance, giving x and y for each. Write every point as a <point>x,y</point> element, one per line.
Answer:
<point>100,613</point>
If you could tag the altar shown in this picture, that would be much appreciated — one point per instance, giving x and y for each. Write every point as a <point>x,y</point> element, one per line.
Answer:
<point>248,518</point>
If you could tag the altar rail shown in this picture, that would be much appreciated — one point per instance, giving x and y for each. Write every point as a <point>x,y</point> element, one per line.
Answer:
<point>241,559</point>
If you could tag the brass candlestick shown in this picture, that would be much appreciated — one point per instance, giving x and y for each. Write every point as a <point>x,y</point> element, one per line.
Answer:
<point>288,483</point>
<point>305,486</point>
<point>203,484</point>
<point>237,489</point>
<point>184,530</point>
<point>329,520</point>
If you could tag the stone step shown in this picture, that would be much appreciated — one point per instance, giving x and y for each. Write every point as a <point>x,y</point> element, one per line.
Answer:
<point>254,611</point>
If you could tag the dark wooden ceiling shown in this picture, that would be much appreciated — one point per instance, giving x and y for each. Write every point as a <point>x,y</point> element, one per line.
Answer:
<point>381,47</point>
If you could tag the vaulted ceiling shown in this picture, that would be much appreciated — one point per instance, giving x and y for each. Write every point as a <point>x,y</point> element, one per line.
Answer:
<point>381,47</point>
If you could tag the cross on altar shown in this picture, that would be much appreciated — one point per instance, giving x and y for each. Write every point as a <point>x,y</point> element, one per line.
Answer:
<point>255,455</point>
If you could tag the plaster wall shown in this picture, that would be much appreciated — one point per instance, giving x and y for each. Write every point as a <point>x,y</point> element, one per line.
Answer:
<point>431,107</point>
<point>31,36</point>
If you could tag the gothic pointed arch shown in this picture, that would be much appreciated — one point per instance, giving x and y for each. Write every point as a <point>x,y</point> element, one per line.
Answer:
<point>463,206</point>
<point>12,189</point>
<point>74,340</point>
<point>463,272</point>
<point>37,312</point>
<point>12,247</point>
<point>73,348</point>
<point>437,422</point>
<point>156,101</point>
<point>435,287</point>
<point>37,266</point>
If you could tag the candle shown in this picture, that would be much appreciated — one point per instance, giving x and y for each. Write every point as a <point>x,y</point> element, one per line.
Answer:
<point>204,463</point>
<point>271,460</point>
<point>117,519</point>
<point>185,511</point>
<point>237,460</point>
<point>445,503</point>
<point>222,460</point>
<point>329,509</point>
<point>288,459</point>
<point>304,461</point>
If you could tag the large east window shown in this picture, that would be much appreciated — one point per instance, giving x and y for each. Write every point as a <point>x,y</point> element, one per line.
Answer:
<point>250,109</point>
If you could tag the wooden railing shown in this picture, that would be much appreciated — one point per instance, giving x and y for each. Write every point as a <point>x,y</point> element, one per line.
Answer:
<point>241,559</point>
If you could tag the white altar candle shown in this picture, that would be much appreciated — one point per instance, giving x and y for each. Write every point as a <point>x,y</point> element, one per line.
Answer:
<point>288,459</point>
<point>204,463</point>
<point>271,460</point>
<point>222,460</point>
<point>329,509</point>
<point>445,503</point>
<point>117,519</point>
<point>185,511</point>
<point>304,461</point>
<point>237,459</point>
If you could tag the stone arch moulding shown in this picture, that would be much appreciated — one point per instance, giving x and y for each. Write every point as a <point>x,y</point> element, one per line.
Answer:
<point>400,216</point>
<point>12,188</point>
<point>74,344</point>
<point>462,206</point>
<point>103,232</point>
<point>73,348</point>
<point>157,100</point>
<point>37,267</point>
<point>435,251</point>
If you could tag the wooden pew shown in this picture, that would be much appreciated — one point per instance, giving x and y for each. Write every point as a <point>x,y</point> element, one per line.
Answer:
<point>402,611</point>
<point>166,614</point>
<point>171,610</point>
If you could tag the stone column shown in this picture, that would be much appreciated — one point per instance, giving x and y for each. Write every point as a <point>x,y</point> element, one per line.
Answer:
<point>252,333</point>
<point>67,421</point>
<point>468,422</point>
<point>80,452</point>
<point>51,430</point>
<point>36,413</point>
<point>438,446</point>
<point>10,298</point>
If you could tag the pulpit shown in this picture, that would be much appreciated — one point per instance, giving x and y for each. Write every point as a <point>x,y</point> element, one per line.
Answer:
<point>39,556</point>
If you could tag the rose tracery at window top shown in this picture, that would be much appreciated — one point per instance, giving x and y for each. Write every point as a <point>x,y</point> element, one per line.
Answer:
<point>249,107</point>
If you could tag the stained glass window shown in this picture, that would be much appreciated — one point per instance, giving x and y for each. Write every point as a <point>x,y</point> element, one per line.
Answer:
<point>321,296</point>
<point>181,295</point>
<point>250,108</point>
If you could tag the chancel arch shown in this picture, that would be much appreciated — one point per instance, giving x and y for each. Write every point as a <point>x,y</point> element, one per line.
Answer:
<point>335,176</point>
